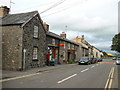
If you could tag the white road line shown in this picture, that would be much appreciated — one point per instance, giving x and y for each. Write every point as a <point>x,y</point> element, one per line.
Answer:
<point>97,64</point>
<point>85,70</point>
<point>92,66</point>
<point>66,78</point>
<point>4,80</point>
<point>46,71</point>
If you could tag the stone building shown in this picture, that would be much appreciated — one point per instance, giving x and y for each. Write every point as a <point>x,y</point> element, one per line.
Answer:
<point>69,50</point>
<point>84,49</point>
<point>62,49</point>
<point>53,41</point>
<point>97,53</point>
<point>23,40</point>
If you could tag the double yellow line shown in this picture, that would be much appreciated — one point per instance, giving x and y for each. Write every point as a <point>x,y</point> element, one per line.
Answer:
<point>108,85</point>
<point>19,77</point>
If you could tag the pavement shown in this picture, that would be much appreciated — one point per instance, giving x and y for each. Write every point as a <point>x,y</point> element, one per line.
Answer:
<point>10,74</point>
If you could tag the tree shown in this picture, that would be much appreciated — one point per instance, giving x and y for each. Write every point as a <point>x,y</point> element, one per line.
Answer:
<point>116,43</point>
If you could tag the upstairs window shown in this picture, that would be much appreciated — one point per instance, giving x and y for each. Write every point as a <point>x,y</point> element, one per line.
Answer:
<point>68,45</point>
<point>73,47</point>
<point>35,53</point>
<point>63,55</point>
<point>35,31</point>
<point>53,41</point>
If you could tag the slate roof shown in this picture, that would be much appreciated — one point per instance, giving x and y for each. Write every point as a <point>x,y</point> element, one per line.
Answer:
<point>59,37</point>
<point>54,35</point>
<point>16,19</point>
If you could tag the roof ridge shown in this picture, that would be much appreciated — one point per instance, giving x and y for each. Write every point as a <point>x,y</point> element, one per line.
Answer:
<point>24,13</point>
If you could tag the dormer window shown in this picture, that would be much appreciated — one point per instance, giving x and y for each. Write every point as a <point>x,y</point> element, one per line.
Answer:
<point>35,31</point>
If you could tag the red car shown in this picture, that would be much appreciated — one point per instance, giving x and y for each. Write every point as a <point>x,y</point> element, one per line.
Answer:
<point>94,60</point>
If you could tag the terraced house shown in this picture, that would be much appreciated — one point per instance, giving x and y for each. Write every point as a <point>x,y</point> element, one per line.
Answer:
<point>61,49</point>
<point>23,40</point>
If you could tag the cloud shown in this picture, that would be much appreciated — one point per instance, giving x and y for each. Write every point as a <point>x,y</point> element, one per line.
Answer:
<point>96,19</point>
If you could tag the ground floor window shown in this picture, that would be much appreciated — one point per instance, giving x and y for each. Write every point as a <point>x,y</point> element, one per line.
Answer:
<point>35,53</point>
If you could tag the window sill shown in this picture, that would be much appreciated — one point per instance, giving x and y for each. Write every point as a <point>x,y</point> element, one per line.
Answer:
<point>35,38</point>
<point>35,60</point>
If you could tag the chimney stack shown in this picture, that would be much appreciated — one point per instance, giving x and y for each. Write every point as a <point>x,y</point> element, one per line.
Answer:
<point>82,38</point>
<point>63,35</point>
<point>4,10</point>
<point>46,26</point>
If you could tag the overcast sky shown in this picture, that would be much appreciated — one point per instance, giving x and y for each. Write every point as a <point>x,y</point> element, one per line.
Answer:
<point>96,19</point>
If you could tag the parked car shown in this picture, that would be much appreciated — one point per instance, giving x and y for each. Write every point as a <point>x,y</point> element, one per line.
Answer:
<point>114,58</point>
<point>118,61</point>
<point>84,60</point>
<point>99,59</point>
<point>94,60</point>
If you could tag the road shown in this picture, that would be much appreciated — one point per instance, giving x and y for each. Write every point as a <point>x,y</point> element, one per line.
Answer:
<point>70,76</point>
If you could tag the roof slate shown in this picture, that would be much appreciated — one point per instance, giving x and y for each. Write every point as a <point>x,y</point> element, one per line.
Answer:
<point>13,19</point>
<point>59,37</point>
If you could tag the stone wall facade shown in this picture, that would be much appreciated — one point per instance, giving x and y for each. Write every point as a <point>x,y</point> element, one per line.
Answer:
<point>29,42</point>
<point>11,47</point>
<point>16,39</point>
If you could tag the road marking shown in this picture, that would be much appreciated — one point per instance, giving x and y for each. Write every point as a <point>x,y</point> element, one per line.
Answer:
<point>85,70</point>
<point>97,64</point>
<point>46,71</point>
<point>66,78</point>
<point>106,62</point>
<point>4,80</point>
<point>72,64</point>
<point>92,66</point>
<point>110,79</point>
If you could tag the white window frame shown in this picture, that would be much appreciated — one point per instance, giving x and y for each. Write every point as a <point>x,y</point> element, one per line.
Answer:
<point>63,55</point>
<point>68,45</point>
<point>35,53</point>
<point>36,32</point>
<point>53,41</point>
<point>73,46</point>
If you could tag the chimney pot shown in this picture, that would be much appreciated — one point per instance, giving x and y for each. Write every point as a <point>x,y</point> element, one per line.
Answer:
<point>46,26</point>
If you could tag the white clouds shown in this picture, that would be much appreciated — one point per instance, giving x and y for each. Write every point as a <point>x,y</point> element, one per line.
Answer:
<point>97,19</point>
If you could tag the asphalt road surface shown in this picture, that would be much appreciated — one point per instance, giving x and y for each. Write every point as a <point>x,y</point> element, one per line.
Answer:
<point>70,76</point>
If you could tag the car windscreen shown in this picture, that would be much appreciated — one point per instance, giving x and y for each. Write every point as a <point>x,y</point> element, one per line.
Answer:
<point>83,58</point>
<point>118,59</point>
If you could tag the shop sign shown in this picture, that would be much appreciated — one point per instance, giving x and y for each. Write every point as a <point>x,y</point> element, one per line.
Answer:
<point>71,51</point>
<point>61,44</point>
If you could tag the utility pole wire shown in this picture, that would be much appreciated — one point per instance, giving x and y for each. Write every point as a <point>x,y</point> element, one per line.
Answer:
<point>53,6</point>
<point>63,9</point>
<point>58,11</point>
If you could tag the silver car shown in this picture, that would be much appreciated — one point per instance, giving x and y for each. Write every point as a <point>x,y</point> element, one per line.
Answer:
<point>118,61</point>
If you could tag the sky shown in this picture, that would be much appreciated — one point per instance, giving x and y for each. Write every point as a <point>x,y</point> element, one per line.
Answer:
<point>97,20</point>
